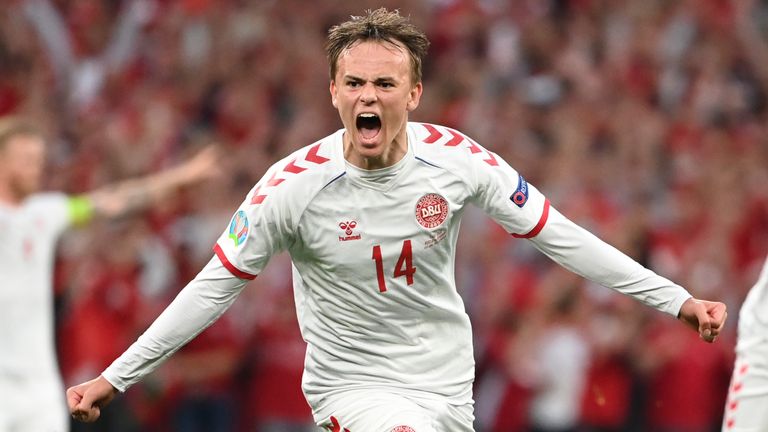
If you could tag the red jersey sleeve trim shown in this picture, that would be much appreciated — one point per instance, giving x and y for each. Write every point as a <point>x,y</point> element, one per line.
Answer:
<point>228,265</point>
<point>539,226</point>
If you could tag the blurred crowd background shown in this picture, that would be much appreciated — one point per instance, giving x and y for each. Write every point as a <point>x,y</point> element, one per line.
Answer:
<point>643,120</point>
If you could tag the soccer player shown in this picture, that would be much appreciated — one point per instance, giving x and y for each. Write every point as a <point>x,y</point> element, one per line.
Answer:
<point>31,390</point>
<point>745,408</point>
<point>370,217</point>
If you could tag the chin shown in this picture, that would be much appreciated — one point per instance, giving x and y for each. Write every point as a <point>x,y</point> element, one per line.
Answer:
<point>369,149</point>
<point>370,153</point>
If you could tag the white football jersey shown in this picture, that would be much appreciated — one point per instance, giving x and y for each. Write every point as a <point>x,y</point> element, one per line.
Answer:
<point>28,235</point>
<point>373,256</point>
<point>373,253</point>
<point>753,316</point>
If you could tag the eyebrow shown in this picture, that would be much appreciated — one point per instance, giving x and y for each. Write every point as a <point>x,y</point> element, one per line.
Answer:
<point>377,80</point>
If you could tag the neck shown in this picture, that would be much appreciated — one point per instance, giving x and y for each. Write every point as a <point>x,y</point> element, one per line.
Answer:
<point>8,195</point>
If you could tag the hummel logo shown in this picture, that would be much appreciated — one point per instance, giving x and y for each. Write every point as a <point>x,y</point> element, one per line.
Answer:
<point>348,227</point>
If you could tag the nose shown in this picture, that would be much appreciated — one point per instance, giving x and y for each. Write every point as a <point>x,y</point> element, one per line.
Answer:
<point>368,94</point>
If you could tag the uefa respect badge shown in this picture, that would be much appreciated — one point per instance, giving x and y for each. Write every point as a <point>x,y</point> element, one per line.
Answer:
<point>520,196</point>
<point>238,228</point>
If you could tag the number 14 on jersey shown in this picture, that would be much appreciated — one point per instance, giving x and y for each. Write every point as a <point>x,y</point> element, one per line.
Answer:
<point>403,267</point>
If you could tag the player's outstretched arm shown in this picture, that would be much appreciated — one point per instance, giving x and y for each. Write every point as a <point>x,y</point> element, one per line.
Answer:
<point>86,400</point>
<point>583,253</point>
<point>136,194</point>
<point>706,317</point>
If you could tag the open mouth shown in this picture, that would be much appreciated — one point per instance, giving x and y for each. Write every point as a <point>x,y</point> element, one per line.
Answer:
<point>368,124</point>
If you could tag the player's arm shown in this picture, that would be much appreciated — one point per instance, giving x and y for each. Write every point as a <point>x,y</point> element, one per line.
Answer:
<point>583,253</point>
<point>257,231</point>
<point>136,194</point>
<point>526,213</point>
<point>196,307</point>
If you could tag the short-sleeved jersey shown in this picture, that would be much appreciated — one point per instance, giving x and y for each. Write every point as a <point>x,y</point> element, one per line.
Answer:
<point>28,235</point>
<point>373,255</point>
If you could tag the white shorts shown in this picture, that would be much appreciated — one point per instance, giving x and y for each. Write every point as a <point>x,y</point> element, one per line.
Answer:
<point>746,409</point>
<point>386,411</point>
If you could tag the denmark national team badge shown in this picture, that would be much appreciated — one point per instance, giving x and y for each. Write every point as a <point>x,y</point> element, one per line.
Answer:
<point>403,429</point>
<point>238,228</point>
<point>431,210</point>
<point>520,197</point>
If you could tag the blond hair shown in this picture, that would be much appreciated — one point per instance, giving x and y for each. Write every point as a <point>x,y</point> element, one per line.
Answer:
<point>379,25</point>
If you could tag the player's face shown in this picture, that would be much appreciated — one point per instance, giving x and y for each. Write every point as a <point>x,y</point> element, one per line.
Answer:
<point>22,160</point>
<point>373,91</point>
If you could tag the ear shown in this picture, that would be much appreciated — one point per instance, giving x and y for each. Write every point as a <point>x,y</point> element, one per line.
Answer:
<point>414,96</point>
<point>334,91</point>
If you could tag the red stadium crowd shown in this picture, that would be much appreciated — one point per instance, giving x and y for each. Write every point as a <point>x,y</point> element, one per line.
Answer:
<point>644,121</point>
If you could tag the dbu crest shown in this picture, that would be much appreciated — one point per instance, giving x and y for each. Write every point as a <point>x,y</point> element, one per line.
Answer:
<point>431,210</point>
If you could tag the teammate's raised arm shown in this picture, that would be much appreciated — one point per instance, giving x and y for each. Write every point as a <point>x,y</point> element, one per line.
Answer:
<point>31,222</point>
<point>135,194</point>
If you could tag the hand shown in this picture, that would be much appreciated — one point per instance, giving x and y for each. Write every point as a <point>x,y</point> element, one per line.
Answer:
<point>86,400</point>
<point>706,317</point>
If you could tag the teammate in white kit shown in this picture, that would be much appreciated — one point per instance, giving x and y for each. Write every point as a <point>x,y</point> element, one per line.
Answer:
<point>745,408</point>
<point>30,223</point>
<point>370,216</point>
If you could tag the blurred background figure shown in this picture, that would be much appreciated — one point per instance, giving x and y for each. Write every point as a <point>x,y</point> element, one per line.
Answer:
<point>645,120</point>
<point>30,224</point>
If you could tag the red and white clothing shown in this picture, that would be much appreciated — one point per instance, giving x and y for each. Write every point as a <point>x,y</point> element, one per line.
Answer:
<point>745,409</point>
<point>30,385</point>
<point>373,258</point>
